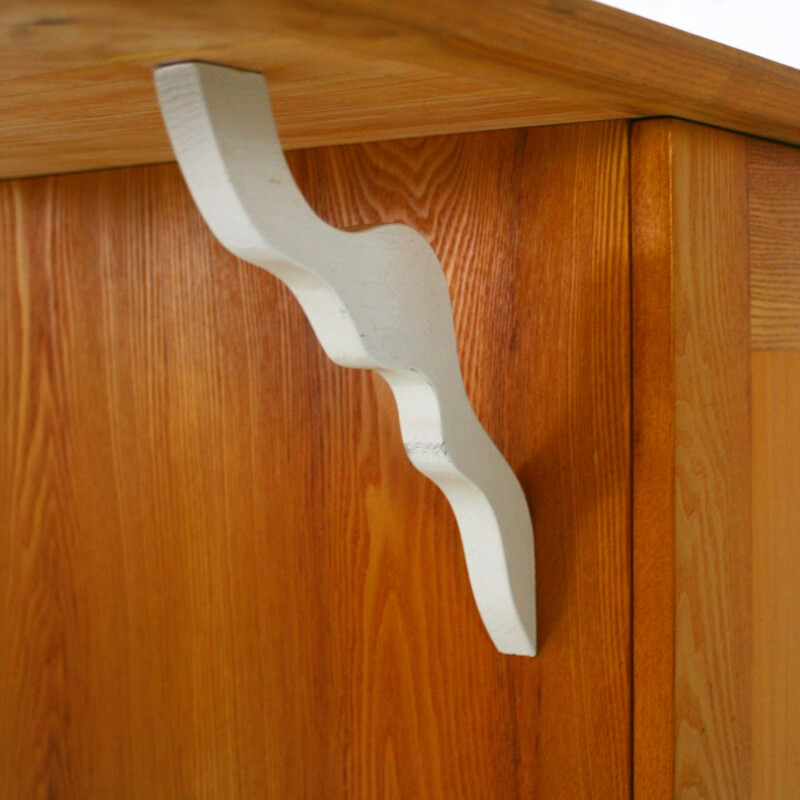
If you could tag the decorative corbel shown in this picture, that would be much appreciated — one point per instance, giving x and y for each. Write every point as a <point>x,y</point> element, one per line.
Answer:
<point>376,299</point>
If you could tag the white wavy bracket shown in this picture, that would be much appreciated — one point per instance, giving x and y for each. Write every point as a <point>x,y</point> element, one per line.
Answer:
<point>376,299</point>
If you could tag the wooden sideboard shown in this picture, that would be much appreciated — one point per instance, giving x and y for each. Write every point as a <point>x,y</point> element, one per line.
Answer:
<point>220,576</point>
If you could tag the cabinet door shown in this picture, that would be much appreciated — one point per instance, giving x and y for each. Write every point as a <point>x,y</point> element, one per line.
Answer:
<point>716,265</point>
<point>220,576</point>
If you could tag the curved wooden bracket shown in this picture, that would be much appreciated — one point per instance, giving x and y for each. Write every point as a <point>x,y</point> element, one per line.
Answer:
<point>376,299</point>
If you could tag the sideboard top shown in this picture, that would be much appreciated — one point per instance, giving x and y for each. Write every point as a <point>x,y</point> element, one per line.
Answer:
<point>77,90</point>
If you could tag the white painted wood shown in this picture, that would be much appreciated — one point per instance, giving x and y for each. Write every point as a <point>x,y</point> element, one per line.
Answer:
<point>377,299</point>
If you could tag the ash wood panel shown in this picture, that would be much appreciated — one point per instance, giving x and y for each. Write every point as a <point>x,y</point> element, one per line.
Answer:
<point>76,91</point>
<point>776,596</point>
<point>774,182</point>
<point>703,255</point>
<point>197,604</point>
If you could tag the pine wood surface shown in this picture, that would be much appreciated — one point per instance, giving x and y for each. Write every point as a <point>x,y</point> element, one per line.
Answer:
<point>222,578</point>
<point>776,591</point>
<point>713,452</point>
<point>77,90</point>
<point>701,403</point>
<point>774,183</point>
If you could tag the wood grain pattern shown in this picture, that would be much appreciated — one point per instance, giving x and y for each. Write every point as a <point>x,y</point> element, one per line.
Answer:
<point>776,592</point>
<point>653,253</point>
<point>196,604</point>
<point>76,91</point>
<point>703,254</point>
<point>774,184</point>
<point>713,451</point>
<point>72,120</point>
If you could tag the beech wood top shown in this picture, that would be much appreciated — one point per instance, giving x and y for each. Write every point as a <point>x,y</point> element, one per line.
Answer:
<point>77,91</point>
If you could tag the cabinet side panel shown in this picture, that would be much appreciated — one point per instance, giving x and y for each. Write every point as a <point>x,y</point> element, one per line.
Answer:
<point>776,589</point>
<point>710,333</point>
<point>774,181</point>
